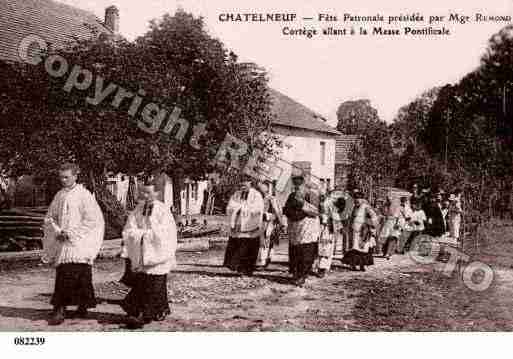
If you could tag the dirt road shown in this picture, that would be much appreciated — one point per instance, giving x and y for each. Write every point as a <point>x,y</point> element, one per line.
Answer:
<point>393,295</point>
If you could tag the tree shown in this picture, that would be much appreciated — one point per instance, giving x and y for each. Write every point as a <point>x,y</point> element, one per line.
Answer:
<point>464,134</point>
<point>175,65</point>
<point>373,160</point>
<point>216,89</point>
<point>354,117</point>
<point>412,119</point>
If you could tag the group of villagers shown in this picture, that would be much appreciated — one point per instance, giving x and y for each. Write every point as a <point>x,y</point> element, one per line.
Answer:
<point>74,230</point>
<point>340,220</point>
<point>73,235</point>
<point>257,223</point>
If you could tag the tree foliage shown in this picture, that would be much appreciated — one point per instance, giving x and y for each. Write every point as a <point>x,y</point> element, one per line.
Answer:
<point>471,122</point>
<point>411,119</point>
<point>461,134</point>
<point>355,117</point>
<point>372,160</point>
<point>175,64</point>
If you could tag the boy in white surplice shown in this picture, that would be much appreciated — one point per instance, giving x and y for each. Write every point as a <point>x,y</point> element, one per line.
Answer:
<point>150,241</point>
<point>73,235</point>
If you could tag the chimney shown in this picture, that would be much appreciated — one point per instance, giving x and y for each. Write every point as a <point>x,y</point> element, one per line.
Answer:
<point>112,18</point>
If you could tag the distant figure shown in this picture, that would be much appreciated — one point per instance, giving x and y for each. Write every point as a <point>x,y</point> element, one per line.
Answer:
<point>445,213</point>
<point>330,229</point>
<point>273,223</point>
<point>380,208</point>
<point>363,233</point>
<point>455,214</point>
<point>73,235</point>
<point>416,194</point>
<point>416,224</point>
<point>406,210</point>
<point>207,205</point>
<point>150,241</point>
<point>425,199</point>
<point>436,222</point>
<point>392,228</point>
<point>406,214</point>
<point>245,212</point>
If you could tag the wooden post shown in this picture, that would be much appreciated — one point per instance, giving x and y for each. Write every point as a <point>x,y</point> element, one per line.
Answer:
<point>187,200</point>
<point>371,194</point>
<point>93,182</point>
<point>446,138</point>
<point>177,193</point>
<point>462,233</point>
<point>504,100</point>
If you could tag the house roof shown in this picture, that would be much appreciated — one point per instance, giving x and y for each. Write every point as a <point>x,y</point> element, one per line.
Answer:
<point>290,113</point>
<point>343,147</point>
<point>57,23</point>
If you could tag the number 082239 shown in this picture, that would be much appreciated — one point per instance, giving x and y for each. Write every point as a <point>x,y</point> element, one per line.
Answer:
<point>29,340</point>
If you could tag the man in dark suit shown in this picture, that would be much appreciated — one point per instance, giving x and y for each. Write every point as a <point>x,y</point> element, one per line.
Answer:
<point>436,223</point>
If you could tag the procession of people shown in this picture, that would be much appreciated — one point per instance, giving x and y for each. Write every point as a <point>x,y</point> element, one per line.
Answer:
<point>73,235</point>
<point>314,226</point>
<point>340,219</point>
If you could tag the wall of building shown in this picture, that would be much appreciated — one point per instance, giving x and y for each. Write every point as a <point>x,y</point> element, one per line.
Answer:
<point>26,193</point>
<point>164,185</point>
<point>118,186</point>
<point>196,194</point>
<point>341,175</point>
<point>303,148</point>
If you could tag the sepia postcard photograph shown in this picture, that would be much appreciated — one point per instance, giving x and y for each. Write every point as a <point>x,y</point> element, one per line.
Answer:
<point>255,166</point>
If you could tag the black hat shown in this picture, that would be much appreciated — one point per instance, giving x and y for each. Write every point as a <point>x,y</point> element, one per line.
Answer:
<point>298,177</point>
<point>357,194</point>
<point>247,178</point>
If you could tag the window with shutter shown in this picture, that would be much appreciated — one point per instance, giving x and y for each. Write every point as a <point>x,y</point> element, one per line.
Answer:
<point>323,153</point>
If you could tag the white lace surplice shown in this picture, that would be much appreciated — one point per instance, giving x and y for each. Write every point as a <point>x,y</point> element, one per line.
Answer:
<point>151,242</point>
<point>75,211</point>
<point>246,216</point>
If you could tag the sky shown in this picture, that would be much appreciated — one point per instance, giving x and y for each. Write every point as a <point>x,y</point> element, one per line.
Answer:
<point>323,72</point>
